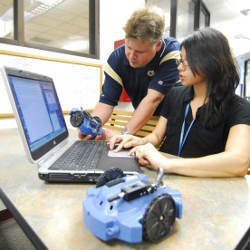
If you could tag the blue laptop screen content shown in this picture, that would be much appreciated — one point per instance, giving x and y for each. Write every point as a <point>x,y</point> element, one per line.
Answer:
<point>39,110</point>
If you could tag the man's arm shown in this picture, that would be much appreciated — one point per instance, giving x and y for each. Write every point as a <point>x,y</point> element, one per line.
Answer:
<point>103,111</point>
<point>144,111</point>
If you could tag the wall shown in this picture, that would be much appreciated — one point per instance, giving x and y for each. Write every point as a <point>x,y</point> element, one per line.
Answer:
<point>113,17</point>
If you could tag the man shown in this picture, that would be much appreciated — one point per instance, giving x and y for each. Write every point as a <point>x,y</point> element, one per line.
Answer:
<point>145,66</point>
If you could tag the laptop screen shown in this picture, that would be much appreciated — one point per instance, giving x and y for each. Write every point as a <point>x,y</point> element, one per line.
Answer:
<point>39,111</point>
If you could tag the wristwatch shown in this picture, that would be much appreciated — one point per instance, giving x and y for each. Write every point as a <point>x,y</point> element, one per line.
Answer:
<point>124,131</point>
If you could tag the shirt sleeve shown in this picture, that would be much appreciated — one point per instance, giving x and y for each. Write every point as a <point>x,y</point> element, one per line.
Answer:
<point>164,109</point>
<point>240,112</point>
<point>165,78</point>
<point>112,87</point>
<point>167,74</point>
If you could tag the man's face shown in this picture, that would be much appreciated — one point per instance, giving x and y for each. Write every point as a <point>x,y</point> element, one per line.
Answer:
<point>138,53</point>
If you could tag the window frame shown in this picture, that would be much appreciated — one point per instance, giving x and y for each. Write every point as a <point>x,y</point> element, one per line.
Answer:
<point>94,31</point>
<point>173,18</point>
<point>245,86</point>
<point>200,8</point>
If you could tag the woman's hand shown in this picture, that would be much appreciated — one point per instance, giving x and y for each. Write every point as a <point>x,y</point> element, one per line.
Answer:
<point>125,141</point>
<point>147,155</point>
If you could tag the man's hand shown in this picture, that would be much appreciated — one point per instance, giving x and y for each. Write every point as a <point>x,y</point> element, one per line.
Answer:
<point>83,137</point>
<point>107,134</point>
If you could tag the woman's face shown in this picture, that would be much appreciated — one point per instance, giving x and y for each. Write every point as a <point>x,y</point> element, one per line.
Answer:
<point>186,75</point>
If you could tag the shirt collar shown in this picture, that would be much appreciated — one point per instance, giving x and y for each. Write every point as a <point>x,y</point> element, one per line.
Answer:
<point>163,47</point>
<point>189,94</point>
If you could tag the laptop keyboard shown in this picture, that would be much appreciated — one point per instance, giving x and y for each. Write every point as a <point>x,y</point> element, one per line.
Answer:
<point>81,155</point>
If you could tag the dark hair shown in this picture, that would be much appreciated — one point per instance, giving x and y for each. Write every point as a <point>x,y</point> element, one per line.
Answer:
<point>208,53</point>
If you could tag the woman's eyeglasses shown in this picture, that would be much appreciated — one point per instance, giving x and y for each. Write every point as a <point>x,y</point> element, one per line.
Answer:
<point>182,62</point>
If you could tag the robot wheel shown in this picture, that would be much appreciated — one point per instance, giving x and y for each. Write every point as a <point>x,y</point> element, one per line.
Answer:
<point>159,218</point>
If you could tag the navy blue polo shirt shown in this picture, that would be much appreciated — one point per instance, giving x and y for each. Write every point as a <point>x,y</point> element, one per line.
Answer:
<point>201,141</point>
<point>160,74</point>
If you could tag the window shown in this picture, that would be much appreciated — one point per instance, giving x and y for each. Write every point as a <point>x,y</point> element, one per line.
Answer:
<point>6,19</point>
<point>69,26</point>
<point>185,18</point>
<point>182,17</point>
<point>204,16</point>
<point>165,5</point>
<point>201,15</point>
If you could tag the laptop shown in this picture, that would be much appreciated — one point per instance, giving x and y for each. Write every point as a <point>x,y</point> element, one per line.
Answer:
<point>46,138</point>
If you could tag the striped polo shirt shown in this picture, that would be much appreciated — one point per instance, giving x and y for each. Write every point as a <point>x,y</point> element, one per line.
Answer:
<point>160,74</point>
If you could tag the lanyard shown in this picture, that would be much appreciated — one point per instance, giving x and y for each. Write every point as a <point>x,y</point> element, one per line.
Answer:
<point>183,136</point>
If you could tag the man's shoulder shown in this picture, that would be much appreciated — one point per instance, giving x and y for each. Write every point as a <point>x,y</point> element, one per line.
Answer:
<point>171,43</point>
<point>117,61</point>
<point>170,50</point>
<point>117,57</point>
<point>118,52</point>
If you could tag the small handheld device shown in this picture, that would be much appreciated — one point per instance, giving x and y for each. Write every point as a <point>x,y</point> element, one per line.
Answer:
<point>88,124</point>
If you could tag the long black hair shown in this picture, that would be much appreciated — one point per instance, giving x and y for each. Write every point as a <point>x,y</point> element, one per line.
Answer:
<point>208,53</point>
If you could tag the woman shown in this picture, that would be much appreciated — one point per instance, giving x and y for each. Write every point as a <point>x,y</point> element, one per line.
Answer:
<point>203,122</point>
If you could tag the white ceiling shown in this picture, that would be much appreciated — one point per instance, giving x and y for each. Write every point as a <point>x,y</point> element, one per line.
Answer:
<point>226,16</point>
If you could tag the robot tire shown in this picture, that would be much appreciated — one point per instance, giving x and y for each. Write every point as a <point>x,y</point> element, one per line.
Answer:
<point>159,218</point>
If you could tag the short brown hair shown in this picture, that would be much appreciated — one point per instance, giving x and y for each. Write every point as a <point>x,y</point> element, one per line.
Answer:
<point>146,24</point>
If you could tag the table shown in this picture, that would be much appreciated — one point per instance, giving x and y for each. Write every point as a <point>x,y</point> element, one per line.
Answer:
<point>216,211</point>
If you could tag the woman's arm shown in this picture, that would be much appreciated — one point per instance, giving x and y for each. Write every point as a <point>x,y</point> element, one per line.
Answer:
<point>233,162</point>
<point>129,141</point>
<point>158,133</point>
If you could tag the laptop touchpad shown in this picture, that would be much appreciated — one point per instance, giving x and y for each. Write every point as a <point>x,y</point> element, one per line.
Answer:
<point>122,153</point>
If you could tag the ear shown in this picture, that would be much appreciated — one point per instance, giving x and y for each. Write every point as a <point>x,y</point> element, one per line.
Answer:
<point>158,45</point>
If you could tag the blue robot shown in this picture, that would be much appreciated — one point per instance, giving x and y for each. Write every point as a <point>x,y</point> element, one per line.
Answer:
<point>131,208</point>
<point>87,124</point>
